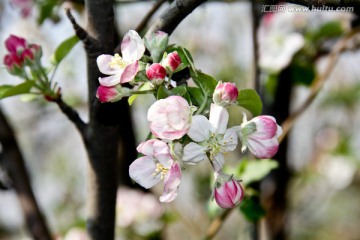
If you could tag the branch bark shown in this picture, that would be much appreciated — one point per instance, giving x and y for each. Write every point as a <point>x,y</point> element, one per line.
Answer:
<point>14,163</point>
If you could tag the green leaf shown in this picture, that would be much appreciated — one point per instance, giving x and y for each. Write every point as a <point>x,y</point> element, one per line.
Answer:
<point>196,95</point>
<point>9,91</point>
<point>206,82</point>
<point>329,30</point>
<point>162,93</point>
<point>144,87</point>
<point>47,10</point>
<point>252,209</point>
<point>182,91</point>
<point>184,54</point>
<point>303,72</point>
<point>254,170</point>
<point>249,99</point>
<point>63,49</point>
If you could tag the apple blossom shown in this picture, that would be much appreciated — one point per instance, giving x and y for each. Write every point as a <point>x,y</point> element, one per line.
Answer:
<point>156,73</point>
<point>169,118</point>
<point>122,69</point>
<point>225,94</point>
<point>156,165</point>
<point>112,94</point>
<point>171,62</point>
<point>212,138</point>
<point>260,136</point>
<point>228,192</point>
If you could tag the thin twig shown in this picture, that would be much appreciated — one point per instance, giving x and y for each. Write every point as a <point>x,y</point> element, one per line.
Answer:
<point>72,114</point>
<point>318,82</point>
<point>149,15</point>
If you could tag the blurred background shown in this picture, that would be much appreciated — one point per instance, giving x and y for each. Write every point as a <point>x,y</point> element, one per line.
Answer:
<point>318,178</point>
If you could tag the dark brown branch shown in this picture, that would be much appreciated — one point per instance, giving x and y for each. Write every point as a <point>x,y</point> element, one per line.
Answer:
<point>172,16</point>
<point>14,163</point>
<point>72,115</point>
<point>148,16</point>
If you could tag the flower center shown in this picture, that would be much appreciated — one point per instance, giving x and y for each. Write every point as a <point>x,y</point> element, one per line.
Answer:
<point>214,146</point>
<point>117,61</point>
<point>160,170</point>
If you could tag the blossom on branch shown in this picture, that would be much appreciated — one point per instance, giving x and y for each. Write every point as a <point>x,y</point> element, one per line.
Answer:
<point>122,69</point>
<point>155,166</point>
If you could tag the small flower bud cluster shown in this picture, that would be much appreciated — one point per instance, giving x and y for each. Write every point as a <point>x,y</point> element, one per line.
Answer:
<point>24,60</point>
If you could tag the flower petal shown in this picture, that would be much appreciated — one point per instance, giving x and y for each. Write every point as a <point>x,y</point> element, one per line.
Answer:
<point>110,81</point>
<point>141,171</point>
<point>264,148</point>
<point>129,72</point>
<point>199,129</point>
<point>194,153</point>
<point>229,141</point>
<point>218,119</point>
<point>103,62</point>
<point>171,183</point>
<point>147,148</point>
<point>132,47</point>
<point>218,162</point>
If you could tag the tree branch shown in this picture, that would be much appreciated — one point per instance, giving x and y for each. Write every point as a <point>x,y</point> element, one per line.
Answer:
<point>72,115</point>
<point>172,16</point>
<point>14,163</point>
<point>148,16</point>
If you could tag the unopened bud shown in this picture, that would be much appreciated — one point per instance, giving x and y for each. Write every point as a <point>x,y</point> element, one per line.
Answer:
<point>156,73</point>
<point>225,94</point>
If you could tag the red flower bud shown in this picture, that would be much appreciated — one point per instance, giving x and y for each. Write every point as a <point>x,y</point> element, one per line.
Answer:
<point>172,61</point>
<point>156,73</point>
<point>225,93</point>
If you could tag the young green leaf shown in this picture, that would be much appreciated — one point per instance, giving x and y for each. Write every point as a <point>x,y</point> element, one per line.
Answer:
<point>144,87</point>
<point>9,91</point>
<point>162,93</point>
<point>252,209</point>
<point>254,170</point>
<point>206,83</point>
<point>63,49</point>
<point>250,100</point>
<point>196,95</point>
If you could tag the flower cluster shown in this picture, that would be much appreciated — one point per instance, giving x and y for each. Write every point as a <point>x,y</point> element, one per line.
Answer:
<point>24,60</point>
<point>188,124</point>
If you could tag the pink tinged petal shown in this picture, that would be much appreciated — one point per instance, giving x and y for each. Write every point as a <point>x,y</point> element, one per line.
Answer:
<point>129,72</point>
<point>103,62</point>
<point>147,148</point>
<point>278,131</point>
<point>162,153</point>
<point>263,148</point>
<point>230,140</point>
<point>110,80</point>
<point>14,43</point>
<point>106,94</point>
<point>142,171</point>
<point>171,183</point>
<point>194,153</point>
<point>218,119</point>
<point>199,129</point>
<point>266,127</point>
<point>218,162</point>
<point>132,47</point>
<point>229,194</point>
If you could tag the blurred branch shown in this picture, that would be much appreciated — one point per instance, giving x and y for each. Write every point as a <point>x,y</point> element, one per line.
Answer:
<point>172,16</point>
<point>148,16</point>
<point>339,47</point>
<point>14,163</point>
<point>72,115</point>
<point>318,82</point>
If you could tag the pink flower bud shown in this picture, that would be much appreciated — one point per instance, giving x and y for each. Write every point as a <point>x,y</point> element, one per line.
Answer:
<point>260,136</point>
<point>156,73</point>
<point>225,94</point>
<point>12,62</point>
<point>170,118</point>
<point>172,61</point>
<point>112,94</point>
<point>14,44</point>
<point>228,194</point>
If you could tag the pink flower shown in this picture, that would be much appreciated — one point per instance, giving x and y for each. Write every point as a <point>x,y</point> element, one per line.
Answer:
<point>122,69</point>
<point>156,73</point>
<point>112,94</point>
<point>170,118</point>
<point>20,53</point>
<point>260,136</point>
<point>229,193</point>
<point>171,62</point>
<point>156,165</point>
<point>24,6</point>
<point>225,94</point>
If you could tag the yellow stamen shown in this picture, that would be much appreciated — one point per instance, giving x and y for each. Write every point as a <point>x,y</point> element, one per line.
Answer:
<point>117,61</point>
<point>160,169</point>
